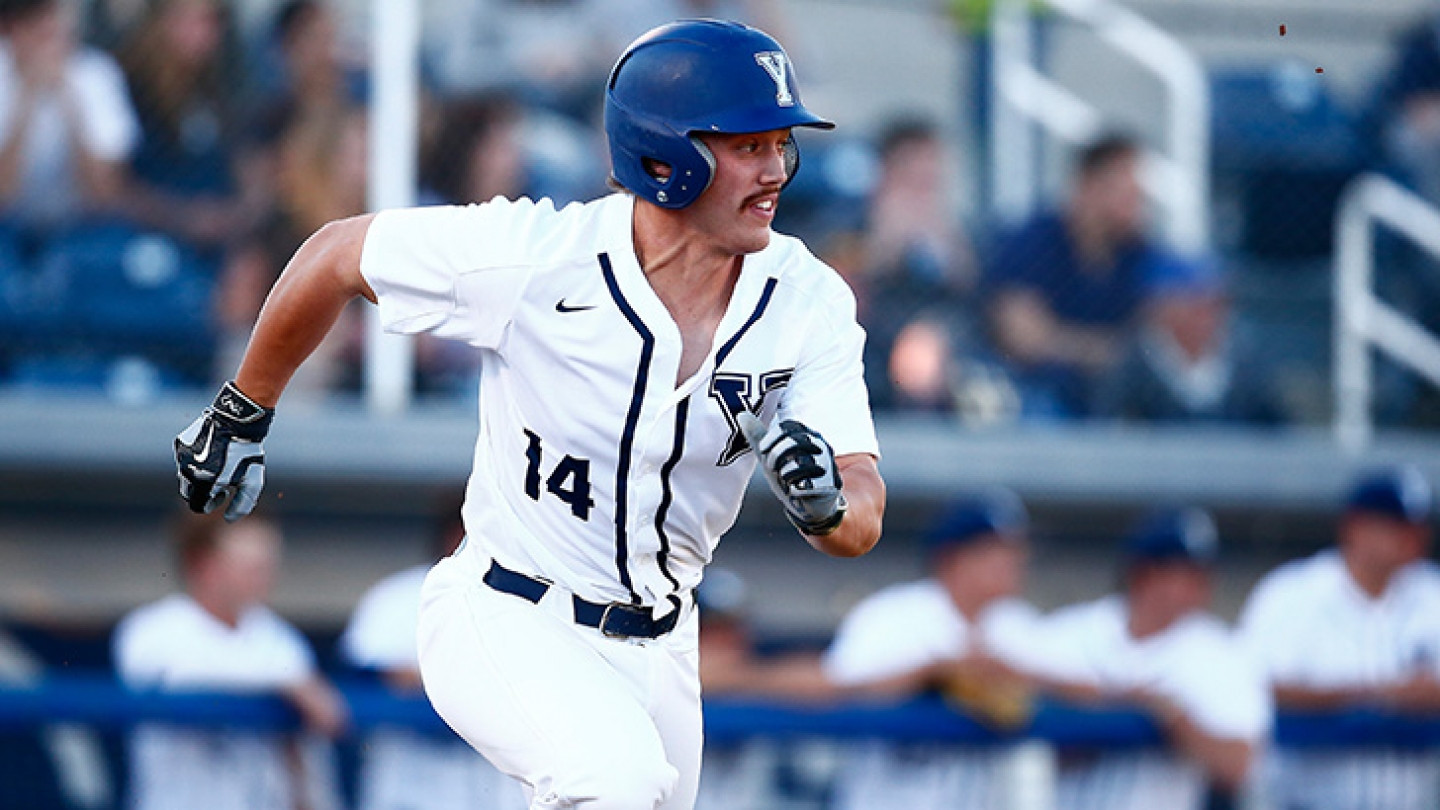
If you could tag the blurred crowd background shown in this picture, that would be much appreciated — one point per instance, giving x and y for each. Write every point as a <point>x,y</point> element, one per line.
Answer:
<point>161,159</point>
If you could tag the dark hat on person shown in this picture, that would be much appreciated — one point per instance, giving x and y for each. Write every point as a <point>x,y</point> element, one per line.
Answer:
<point>1183,534</point>
<point>1401,493</point>
<point>995,512</point>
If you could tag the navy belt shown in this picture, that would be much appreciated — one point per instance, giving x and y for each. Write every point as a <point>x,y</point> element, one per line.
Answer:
<point>616,619</point>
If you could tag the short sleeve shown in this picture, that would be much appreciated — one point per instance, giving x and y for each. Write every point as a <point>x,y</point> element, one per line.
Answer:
<point>1268,631</point>
<point>455,271</point>
<point>381,633</point>
<point>889,634</point>
<point>1223,691</point>
<point>1013,633</point>
<point>138,658</point>
<point>828,392</point>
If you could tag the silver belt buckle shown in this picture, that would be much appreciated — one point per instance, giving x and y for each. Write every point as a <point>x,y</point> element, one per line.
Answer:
<point>605,622</point>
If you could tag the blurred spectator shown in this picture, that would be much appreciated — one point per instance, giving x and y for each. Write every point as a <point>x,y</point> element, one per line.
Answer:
<point>964,630</point>
<point>747,775</point>
<point>219,635</point>
<point>302,66</point>
<point>1356,626</point>
<point>476,153</point>
<point>321,176</point>
<point>404,769</point>
<point>1406,115</point>
<point>1063,289</point>
<point>182,67</point>
<point>65,118</point>
<point>915,263</point>
<point>1156,646</point>
<point>1188,363</point>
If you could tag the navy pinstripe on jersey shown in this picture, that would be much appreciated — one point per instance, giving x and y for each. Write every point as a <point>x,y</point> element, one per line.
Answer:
<point>627,435</point>
<point>667,496</point>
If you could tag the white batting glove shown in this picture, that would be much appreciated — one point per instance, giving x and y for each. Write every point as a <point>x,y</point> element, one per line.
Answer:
<point>800,467</point>
<point>219,455</point>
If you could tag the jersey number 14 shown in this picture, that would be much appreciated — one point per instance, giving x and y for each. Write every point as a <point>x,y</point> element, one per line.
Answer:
<point>569,481</point>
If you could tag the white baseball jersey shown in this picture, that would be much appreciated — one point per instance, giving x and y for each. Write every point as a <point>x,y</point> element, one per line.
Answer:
<point>1197,663</point>
<point>381,636</point>
<point>597,471</point>
<point>593,468</point>
<point>175,645</point>
<point>1309,624</point>
<point>900,629</point>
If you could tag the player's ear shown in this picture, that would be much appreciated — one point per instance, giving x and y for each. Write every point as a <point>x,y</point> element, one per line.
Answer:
<point>658,169</point>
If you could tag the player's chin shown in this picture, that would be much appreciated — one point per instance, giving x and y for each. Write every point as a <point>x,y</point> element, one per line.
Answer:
<point>753,240</point>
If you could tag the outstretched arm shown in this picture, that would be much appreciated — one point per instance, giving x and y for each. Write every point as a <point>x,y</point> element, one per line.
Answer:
<point>321,278</point>
<point>219,457</point>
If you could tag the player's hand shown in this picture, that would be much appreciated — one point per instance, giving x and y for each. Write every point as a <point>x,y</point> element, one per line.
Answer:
<point>219,455</point>
<point>800,467</point>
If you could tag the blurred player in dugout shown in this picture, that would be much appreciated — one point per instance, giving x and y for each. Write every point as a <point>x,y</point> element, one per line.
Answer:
<point>1156,646</point>
<point>963,630</point>
<point>1356,626</point>
<point>219,635</point>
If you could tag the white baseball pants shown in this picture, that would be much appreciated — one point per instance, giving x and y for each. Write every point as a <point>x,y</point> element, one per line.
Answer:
<point>582,720</point>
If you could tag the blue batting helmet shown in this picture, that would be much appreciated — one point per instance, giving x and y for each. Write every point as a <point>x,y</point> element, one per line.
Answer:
<point>695,76</point>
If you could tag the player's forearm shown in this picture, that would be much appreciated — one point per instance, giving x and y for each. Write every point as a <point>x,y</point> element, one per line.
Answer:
<point>865,493</point>
<point>1309,698</point>
<point>322,277</point>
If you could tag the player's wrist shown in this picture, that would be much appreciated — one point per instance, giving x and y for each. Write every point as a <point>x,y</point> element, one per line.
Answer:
<point>822,526</point>
<point>244,417</point>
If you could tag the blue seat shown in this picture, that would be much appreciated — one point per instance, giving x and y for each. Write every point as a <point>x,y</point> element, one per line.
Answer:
<point>112,290</point>
<point>1285,148</point>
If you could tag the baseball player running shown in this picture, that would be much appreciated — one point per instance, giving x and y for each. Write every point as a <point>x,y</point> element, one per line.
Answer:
<point>641,353</point>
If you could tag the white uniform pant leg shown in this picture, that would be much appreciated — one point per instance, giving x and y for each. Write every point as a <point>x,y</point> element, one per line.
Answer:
<point>556,705</point>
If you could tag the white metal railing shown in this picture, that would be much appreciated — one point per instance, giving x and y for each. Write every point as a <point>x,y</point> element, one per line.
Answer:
<point>1361,318</point>
<point>392,166</point>
<point>1177,178</point>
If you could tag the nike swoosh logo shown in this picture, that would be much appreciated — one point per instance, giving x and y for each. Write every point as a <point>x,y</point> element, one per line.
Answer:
<point>209,439</point>
<point>561,306</point>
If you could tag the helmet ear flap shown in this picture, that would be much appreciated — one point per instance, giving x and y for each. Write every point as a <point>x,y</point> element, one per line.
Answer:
<point>792,159</point>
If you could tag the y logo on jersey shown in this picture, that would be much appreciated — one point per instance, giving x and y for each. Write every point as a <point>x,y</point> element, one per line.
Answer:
<point>733,391</point>
<point>774,64</point>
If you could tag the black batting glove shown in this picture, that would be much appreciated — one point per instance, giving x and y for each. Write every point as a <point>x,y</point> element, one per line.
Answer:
<point>219,455</point>
<point>800,467</point>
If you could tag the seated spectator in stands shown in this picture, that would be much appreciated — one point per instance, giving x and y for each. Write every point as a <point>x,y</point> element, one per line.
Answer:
<point>301,67</point>
<point>963,630</point>
<point>1062,291</point>
<point>915,261</point>
<point>380,639</point>
<point>1188,364</point>
<point>66,123</point>
<point>1405,117</point>
<point>476,154</point>
<point>321,175</point>
<point>1357,626</point>
<point>218,634</point>
<point>1155,646</point>
<point>183,76</point>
